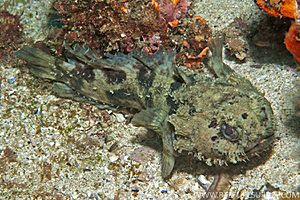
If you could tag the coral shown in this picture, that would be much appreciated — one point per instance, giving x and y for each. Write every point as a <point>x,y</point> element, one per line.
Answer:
<point>10,34</point>
<point>276,8</point>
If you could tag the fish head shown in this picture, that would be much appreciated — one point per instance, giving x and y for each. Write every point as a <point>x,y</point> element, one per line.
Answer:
<point>222,124</point>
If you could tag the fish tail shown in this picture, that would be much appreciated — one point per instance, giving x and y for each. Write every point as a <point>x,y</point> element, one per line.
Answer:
<point>109,81</point>
<point>123,80</point>
<point>41,64</point>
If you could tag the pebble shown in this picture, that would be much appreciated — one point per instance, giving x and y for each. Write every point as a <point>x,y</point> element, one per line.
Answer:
<point>12,80</point>
<point>51,144</point>
<point>113,158</point>
<point>164,191</point>
<point>203,182</point>
<point>119,117</point>
<point>142,154</point>
<point>135,190</point>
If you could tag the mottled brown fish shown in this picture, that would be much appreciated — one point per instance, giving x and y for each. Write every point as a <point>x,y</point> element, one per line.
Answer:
<point>219,120</point>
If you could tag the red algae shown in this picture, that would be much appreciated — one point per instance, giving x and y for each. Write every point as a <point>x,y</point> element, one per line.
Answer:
<point>172,11</point>
<point>292,38</point>
<point>194,44</point>
<point>107,26</point>
<point>277,8</point>
<point>10,34</point>
<point>120,26</point>
<point>292,42</point>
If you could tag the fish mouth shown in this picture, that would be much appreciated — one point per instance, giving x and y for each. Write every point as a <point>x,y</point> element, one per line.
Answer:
<point>261,145</point>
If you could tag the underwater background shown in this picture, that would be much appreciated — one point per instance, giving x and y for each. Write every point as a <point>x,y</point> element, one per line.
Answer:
<point>55,148</point>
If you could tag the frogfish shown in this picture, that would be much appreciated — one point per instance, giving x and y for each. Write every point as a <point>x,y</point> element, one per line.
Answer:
<point>220,119</point>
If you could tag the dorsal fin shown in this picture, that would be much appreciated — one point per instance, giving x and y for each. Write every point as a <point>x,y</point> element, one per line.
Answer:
<point>215,62</point>
<point>162,61</point>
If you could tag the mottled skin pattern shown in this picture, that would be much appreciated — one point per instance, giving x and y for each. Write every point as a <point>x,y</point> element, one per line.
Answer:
<point>219,120</point>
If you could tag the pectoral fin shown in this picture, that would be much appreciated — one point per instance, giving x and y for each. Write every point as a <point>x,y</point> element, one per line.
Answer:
<point>167,158</point>
<point>150,118</point>
<point>155,120</point>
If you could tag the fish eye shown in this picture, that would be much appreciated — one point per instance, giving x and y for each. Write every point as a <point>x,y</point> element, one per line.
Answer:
<point>229,132</point>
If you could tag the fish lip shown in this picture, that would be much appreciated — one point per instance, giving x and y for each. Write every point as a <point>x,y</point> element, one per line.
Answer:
<point>261,145</point>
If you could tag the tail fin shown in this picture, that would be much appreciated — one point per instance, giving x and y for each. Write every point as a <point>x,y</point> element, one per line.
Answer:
<point>41,64</point>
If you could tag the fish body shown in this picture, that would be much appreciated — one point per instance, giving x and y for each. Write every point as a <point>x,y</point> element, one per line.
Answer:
<point>219,120</point>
